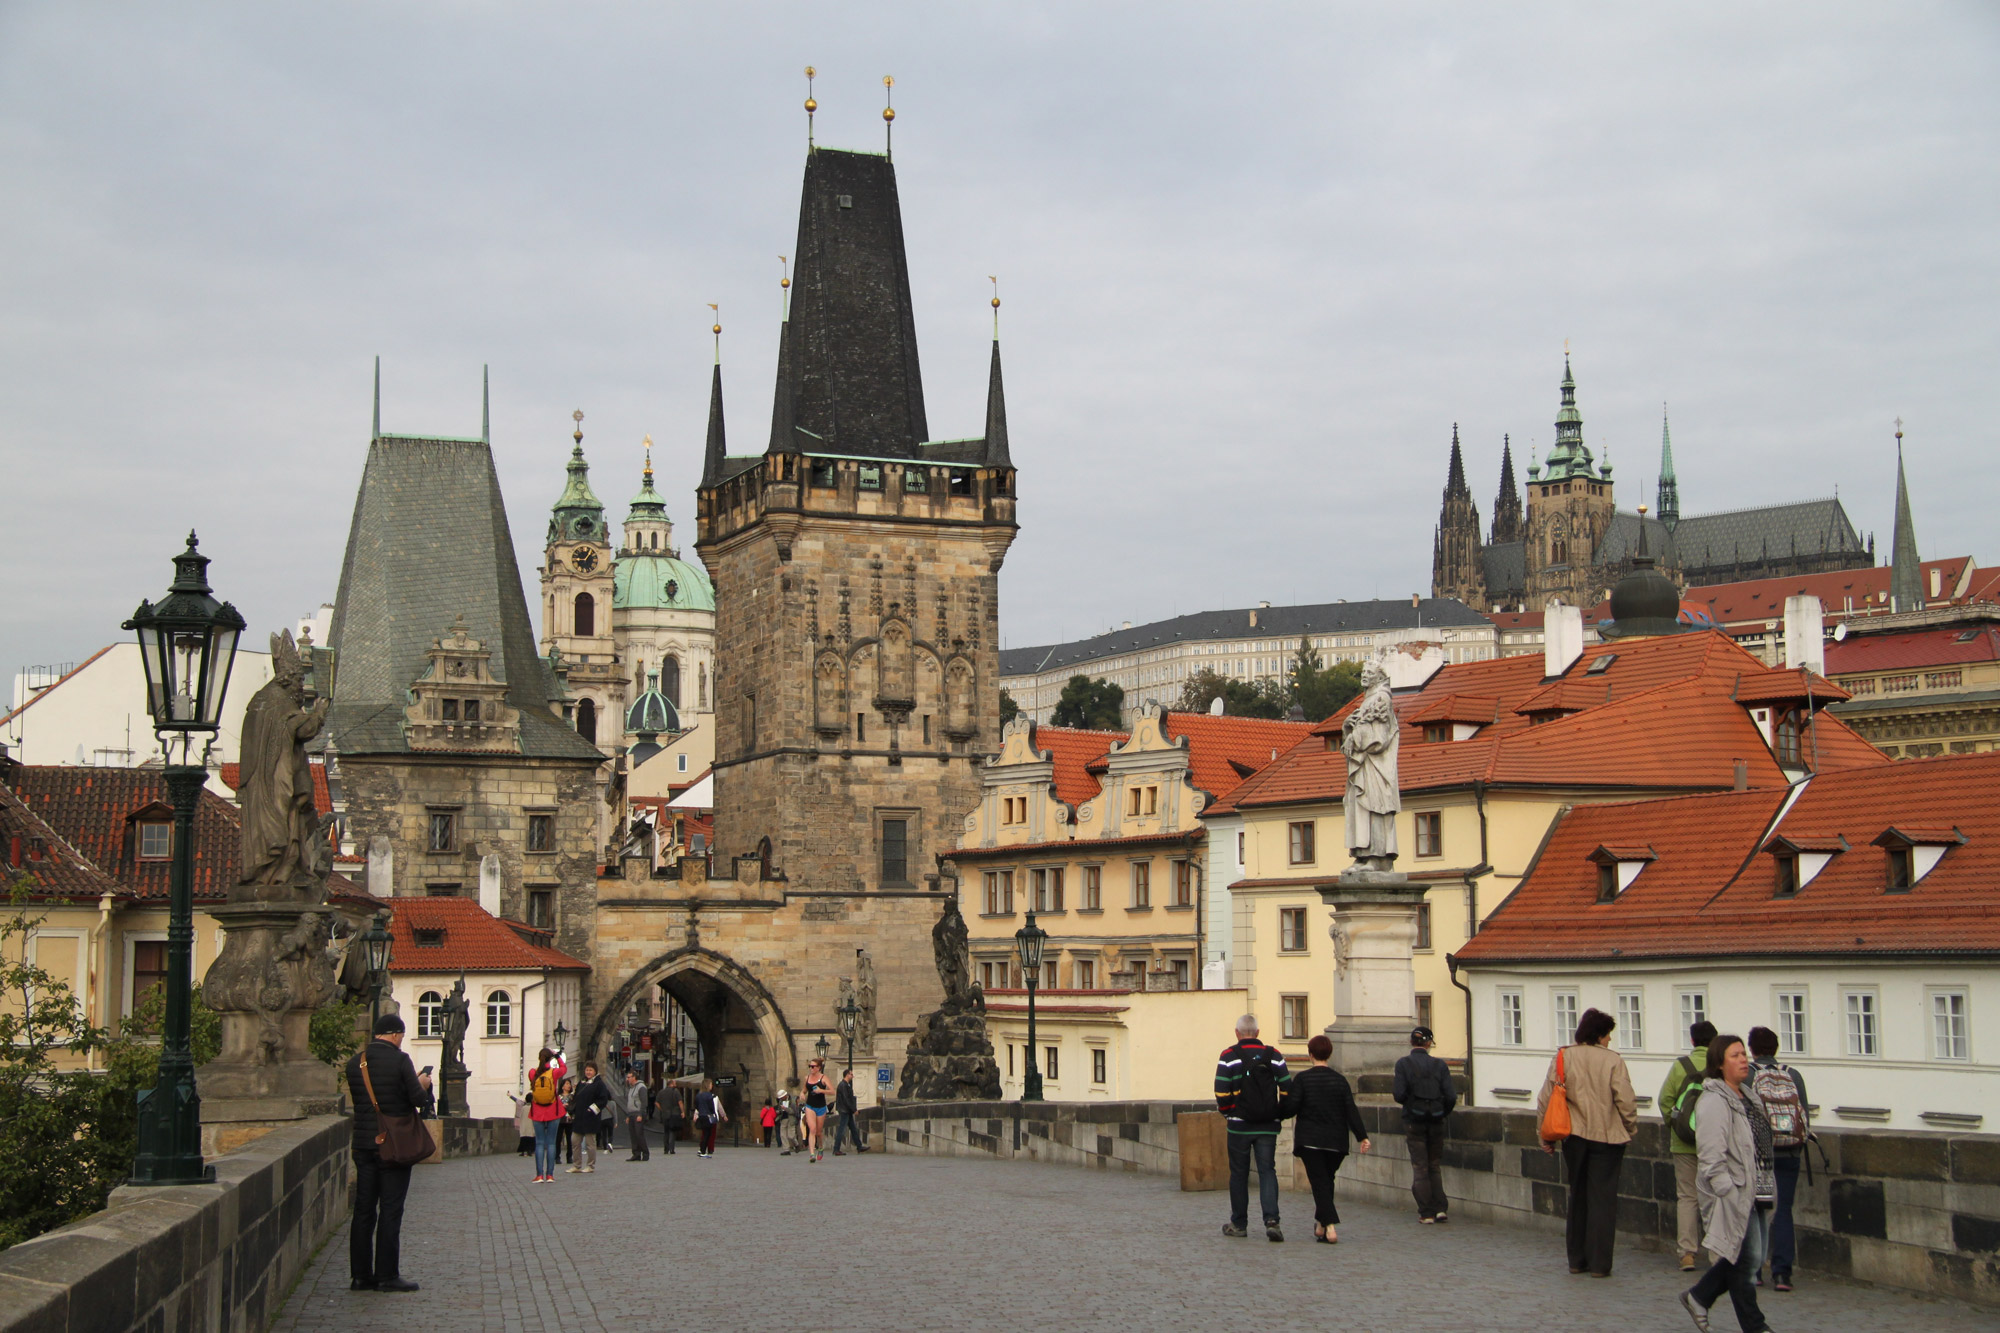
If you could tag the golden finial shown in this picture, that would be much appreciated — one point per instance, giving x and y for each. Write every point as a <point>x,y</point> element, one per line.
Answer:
<point>889,115</point>
<point>811,106</point>
<point>996,305</point>
<point>649,462</point>
<point>577,416</point>
<point>716,329</point>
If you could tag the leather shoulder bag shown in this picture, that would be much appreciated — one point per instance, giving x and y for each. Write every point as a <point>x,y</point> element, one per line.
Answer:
<point>400,1140</point>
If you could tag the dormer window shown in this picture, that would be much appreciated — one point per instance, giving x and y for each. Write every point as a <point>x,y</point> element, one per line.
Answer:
<point>915,480</point>
<point>1914,851</point>
<point>1618,866</point>
<point>1787,742</point>
<point>1437,731</point>
<point>428,939</point>
<point>1788,876</point>
<point>1800,857</point>
<point>156,842</point>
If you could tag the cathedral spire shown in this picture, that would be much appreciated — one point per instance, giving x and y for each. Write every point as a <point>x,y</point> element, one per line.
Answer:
<point>1906,578</point>
<point>997,454</point>
<point>1507,503</point>
<point>711,462</point>
<point>1669,488</point>
<point>1454,483</point>
<point>1568,457</point>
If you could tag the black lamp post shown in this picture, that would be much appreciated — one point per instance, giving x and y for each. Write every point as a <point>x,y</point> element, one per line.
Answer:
<point>561,1035</point>
<point>379,946</point>
<point>187,642</point>
<point>1028,943</point>
<point>850,1015</point>
<point>821,1047</point>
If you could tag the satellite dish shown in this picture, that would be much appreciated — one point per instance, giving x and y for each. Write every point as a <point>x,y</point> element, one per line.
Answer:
<point>1840,631</point>
<point>1215,706</point>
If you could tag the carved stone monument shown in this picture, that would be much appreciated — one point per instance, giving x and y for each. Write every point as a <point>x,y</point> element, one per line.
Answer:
<point>454,1018</point>
<point>274,969</point>
<point>950,1057</point>
<point>1374,905</point>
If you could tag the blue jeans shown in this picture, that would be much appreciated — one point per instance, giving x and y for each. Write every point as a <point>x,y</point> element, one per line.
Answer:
<point>1241,1148</point>
<point>1737,1277</point>
<point>545,1147</point>
<point>1787,1165</point>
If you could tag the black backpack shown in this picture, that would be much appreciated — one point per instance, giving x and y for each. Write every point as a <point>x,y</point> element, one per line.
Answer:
<point>1426,1100</point>
<point>1257,1096</point>
<point>1681,1114</point>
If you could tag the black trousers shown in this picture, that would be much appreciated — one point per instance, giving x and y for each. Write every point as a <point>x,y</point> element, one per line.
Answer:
<point>1320,1168</point>
<point>636,1127</point>
<point>1426,1142</point>
<point>1593,1201</point>
<point>375,1242</point>
<point>669,1132</point>
<point>566,1143</point>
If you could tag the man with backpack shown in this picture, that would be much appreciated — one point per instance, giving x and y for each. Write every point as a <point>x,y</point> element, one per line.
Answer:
<point>1425,1091</point>
<point>1683,1085</point>
<point>1783,1092</point>
<point>1251,1083</point>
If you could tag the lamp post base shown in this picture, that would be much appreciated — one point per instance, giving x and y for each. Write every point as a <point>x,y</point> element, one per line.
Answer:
<point>170,1134</point>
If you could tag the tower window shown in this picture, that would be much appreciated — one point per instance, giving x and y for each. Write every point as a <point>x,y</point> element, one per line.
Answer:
<point>895,851</point>
<point>822,474</point>
<point>586,719</point>
<point>915,481</point>
<point>448,709</point>
<point>871,476</point>
<point>472,710</point>
<point>670,680</point>
<point>586,616</point>
<point>656,541</point>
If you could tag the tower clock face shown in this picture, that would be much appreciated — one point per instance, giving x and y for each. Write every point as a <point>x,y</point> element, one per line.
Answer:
<point>583,559</point>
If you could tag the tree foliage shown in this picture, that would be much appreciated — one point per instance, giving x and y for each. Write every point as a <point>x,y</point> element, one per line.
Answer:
<point>1096,704</point>
<point>336,1031</point>
<point>1240,698</point>
<point>1009,710</point>
<point>1317,690</point>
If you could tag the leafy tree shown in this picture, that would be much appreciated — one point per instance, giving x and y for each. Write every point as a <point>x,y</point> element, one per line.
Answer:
<point>1240,698</point>
<point>1318,691</point>
<point>1009,710</point>
<point>1326,692</point>
<point>336,1031</point>
<point>1097,704</point>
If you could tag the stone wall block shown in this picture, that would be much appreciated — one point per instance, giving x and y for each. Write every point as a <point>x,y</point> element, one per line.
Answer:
<point>1976,1161</point>
<point>1895,1156</point>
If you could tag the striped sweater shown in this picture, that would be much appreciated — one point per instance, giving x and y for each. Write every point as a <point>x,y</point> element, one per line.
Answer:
<point>1229,1081</point>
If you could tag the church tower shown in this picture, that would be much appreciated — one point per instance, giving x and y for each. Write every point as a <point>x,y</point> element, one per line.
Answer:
<point>1906,574</point>
<point>1568,514</point>
<point>663,614</point>
<point>1455,569</point>
<point>856,563</point>
<point>1669,488</point>
<point>576,606</point>
<point>1507,525</point>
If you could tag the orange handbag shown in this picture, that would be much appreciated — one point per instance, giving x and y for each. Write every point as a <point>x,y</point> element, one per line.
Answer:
<point>1555,1116</point>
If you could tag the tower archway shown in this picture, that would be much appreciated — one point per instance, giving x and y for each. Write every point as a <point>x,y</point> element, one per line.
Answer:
<point>738,1025</point>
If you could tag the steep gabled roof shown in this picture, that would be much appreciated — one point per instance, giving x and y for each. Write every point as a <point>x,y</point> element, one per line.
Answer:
<point>1073,750</point>
<point>54,868</point>
<point>1809,527</point>
<point>1223,750</point>
<point>92,809</point>
<point>473,940</point>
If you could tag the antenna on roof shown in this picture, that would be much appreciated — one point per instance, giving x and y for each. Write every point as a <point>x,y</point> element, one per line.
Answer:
<point>888,117</point>
<point>811,106</point>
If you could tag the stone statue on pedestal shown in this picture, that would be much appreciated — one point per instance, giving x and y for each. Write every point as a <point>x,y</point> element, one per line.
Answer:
<point>950,1057</point>
<point>454,1018</point>
<point>285,854</point>
<point>1370,740</point>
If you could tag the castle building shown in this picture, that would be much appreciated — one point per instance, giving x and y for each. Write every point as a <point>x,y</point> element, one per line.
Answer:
<point>1569,541</point>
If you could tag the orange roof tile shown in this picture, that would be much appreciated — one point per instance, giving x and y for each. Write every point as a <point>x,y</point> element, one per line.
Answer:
<point>53,867</point>
<point>1072,750</point>
<point>1781,685</point>
<point>93,808</point>
<point>474,940</point>
<point>1759,600</point>
<point>1217,746</point>
<point>1711,893</point>
<point>232,778</point>
<point>1477,709</point>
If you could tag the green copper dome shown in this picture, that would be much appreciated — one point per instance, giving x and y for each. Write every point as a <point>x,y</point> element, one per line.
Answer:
<point>1569,458</point>
<point>657,582</point>
<point>578,515</point>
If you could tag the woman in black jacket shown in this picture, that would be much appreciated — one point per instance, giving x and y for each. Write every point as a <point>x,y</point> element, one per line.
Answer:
<point>1323,1105</point>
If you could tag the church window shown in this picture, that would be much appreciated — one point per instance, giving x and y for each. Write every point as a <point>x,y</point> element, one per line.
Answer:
<point>430,1022</point>
<point>822,473</point>
<point>586,616</point>
<point>916,480</point>
<point>156,842</point>
<point>860,728</point>
<point>448,709</point>
<point>670,680</point>
<point>443,831</point>
<point>870,475</point>
<point>541,833</point>
<point>586,719</point>
<point>472,710</point>
<point>656,541</point>
<point>499,1014</point>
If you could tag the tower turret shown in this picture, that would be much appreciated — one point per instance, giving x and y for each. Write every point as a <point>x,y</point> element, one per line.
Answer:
<point>1507,503</point>
<point>1669,490</point>
<point>1455,570</point>
<point>1569,457</point>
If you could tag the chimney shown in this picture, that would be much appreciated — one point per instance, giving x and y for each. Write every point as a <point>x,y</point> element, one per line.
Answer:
<point>1562,638</point>
<point>1253,620</point>
<point>1742,776</point>
<point>489,883</point>
<point>1805,634</point>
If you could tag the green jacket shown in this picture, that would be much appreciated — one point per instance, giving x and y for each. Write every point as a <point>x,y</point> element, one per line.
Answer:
<point>1670,1091</point>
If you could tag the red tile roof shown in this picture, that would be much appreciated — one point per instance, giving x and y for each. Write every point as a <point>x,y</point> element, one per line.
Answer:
<point>92,809</point>
<point>1071,750</point>
<point>474,940</point>
<point>1218,745</point>
<point>1661,715</point>
<point>1866,589</point>
<point>1477,709</point>
<point>53,868</point>
<point>1913,649</point>
<point>1518,619</point>
<point>1782,685</point>
<point>1712,892</point>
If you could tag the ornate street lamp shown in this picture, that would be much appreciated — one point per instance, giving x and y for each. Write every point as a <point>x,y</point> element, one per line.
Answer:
<point>561,1035</point>
<point>187,642</point>
<point>850,1016</point>
<point>1029,941</point>
<point>821,1047</point>
<point>377,945</point>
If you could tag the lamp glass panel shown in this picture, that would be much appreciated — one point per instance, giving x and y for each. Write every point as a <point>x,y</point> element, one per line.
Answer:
<point>221,656</point>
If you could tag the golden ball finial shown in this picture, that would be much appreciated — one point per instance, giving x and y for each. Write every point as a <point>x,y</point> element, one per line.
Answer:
<point>715,328</point>
<point>811,106</point>
<point>810,71</point>
<point>888,80</point>
<point>784,282</point>
<point>996,303</point>
<point>1642,511</point>
<point>888,113</point>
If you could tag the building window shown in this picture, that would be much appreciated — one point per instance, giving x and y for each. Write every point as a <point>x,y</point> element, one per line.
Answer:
<point>438,891</point>
<point>1902,871</point>
<point>1792,1022</point>
<point>1097,1065</point>
<point>681,763</point>
<point>1051,1062</point>
<point>1437,731</point>
<point>1084,972</point>
<point>443,831</point>
<point>430,1014</point>
<point>999,893</point>
<point>1182,972</point>
<point>1565,1017</point>
<point>1694,1008</point>
<point>993,976</point>
<point>1790,753</point>
<point>1013,809</point>
<point>1788,876</point>
<point>1423,1010</point>
<point>1184,883</point>
<point>542,908</point>
<point>586,720</point>
<point>1239,849</point>
<point>1049,978</point>
<point>499,1014</point>
<point>156,842</point>
<point>149,968</point>
<point>1631,1015</point>
<point>895,851</point>
<point>541,833</point>
<point>1950,1038</point>
<point>448,709</point>
<point>1301,839</point>
<point>1292,929</point>
<point>1142,884</point>
<point>1047,887</point>
<point>870,476</point>
<point>1862,1038</point>
<point>1511,1027</point>
<point>915,480</point>
<point>1430,833</point>
<point>1131,801</point>
<point>1093,888</point>
<point>822,474</point>
<point>586,616</point>
<point>472,710</point>
<point>961,482</point>
<point>1607,881</point>
<point>1292,1017</point>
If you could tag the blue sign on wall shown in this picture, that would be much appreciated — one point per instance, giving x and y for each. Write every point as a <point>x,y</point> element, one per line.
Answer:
<point>883,1074</point>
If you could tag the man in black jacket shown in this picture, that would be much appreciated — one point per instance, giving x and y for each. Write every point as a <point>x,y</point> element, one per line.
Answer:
<point>845,1108</point>
<point>1427,1095</point>
<point>374,1251</point>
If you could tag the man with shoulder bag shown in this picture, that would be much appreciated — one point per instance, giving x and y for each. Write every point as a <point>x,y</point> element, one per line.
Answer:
<point>385,1090</point>
<point>1683,1085</point>
<point>1427,1094</point>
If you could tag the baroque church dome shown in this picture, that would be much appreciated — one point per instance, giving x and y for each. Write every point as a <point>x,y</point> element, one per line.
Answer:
<point>646,581</point>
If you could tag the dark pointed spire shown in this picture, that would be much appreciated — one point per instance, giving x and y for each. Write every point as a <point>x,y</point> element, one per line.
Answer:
<point>711,463</point>
<point>1455,480</point>
<point>378,400</point>
<point>997,454</point>
<point>1507,503</point>
<point>1906,576</point>
<point>1670,487</point>
<point>486,404</point>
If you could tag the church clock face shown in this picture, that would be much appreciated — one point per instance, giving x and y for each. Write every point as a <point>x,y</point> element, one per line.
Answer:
<point>583,559</point>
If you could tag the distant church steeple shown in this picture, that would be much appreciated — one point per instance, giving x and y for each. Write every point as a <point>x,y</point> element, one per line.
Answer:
<point>1507,504</point>
<point>1670,490</point>
<point>1906,575</point>
<point>1455,568</point>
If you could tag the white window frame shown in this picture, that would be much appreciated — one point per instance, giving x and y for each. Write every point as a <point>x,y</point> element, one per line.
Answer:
<point>1629,1008</point>
<point>1861,1002</point>
<point>1564,1026</point>
<point>1511,1013</point>
<point>430,1026</point>
<point>1932,995</point>
<point>503,1009</point>
<point>1688,1012</point>
<point>1790,1043</point>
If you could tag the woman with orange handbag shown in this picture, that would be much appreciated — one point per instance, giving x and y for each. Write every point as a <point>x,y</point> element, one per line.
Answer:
<point>1589,1082</point>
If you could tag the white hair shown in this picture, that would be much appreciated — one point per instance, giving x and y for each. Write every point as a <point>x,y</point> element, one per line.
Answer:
<point>1247,1025</point>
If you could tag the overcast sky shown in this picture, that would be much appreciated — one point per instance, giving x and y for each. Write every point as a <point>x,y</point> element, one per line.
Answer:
<point>1256,261</point>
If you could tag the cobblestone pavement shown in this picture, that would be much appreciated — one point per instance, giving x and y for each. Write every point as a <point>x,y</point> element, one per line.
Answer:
<point>750,1239</point>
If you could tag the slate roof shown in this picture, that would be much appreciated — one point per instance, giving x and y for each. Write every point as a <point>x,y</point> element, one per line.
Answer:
<point>430,543</point>
<point>1664,714</point>
<point>474,940</point>
<point>91,808</point>
<point>1287,623</point>
<point>1621,539</point>
<point>1504,566</point>
<point>1914,649</point>
<point>1711,892</point>
<point>1807,527</point>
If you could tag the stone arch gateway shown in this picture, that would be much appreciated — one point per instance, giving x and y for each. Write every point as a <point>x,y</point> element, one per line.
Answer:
<point>741,1025</point>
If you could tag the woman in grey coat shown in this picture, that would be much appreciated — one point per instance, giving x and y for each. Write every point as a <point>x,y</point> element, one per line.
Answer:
<point>1736,1185</point>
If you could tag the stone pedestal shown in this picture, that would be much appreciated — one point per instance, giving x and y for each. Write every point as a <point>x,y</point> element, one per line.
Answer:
<point>267,982</point>
<point>950,1057</point>
<point>1375,987</point>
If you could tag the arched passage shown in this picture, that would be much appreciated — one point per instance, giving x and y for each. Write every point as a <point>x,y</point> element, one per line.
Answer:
<point>741,1030</point>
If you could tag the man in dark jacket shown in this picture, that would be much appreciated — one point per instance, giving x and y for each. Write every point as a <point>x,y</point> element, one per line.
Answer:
<point>845,1108</point>
<point>587,1105</point>
<point>1427,1095</point>
<point>374,1251</point>
<point>1251,1083</point>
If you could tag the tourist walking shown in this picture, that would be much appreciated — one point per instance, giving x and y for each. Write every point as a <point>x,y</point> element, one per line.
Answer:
<point>1781,1090</point>
<point>638,1101</point>
<point>586,1112</point>
<point>1250,1086</point>
<point>524,1124</point>
<point>1684,1080</point>
<point>845,1108</point>
<point>392,1085</point>
<point>1603,1116</point>
<point>767,1120</point>
<point>708,1116</point>
<point>672,1113</point>
<point>546,1109</point>
<point>818,1093</point>
<point>788,1121</point>
<point>1425,1091</point>
<point>1737,1183</point>
<point>1325,1117</point>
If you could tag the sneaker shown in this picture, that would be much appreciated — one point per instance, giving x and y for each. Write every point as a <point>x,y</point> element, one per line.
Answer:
<point>1273,1232</point>
<point>1441,1218</point>
<point>573,1170</point>
<point>1695,1312</point>
<point>588,1170</point>
<point>1782,1282</point>
<point>1426,1221</point>
<point>1689,1263</point>
<point>1232,1230</point>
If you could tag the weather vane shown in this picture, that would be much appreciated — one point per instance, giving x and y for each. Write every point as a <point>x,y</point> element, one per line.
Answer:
<point>577,416</point>
<point>811,106</point>
<point>784,288</point>
<point>889,116</point>
<point>996,305</point>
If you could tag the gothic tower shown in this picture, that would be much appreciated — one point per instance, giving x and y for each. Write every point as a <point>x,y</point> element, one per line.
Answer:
<point>1507,526</point>
<point>856,564</point>
<point>576,606</point>
<point>1906,575</point>
<point>1455,567</point>
<point>1670,489</point>
<point>1569,512</point>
